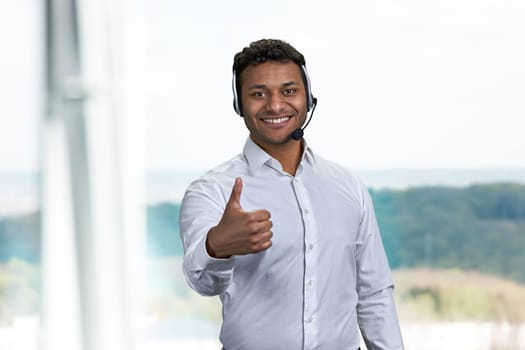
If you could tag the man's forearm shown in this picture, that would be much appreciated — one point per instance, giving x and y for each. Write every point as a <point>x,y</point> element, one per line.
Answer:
<point>378,321</point>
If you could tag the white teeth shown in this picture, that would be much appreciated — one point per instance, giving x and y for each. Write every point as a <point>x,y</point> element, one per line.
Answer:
<point>277,120</point>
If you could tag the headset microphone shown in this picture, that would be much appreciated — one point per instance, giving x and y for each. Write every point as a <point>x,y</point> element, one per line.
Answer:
<point>298,133</point>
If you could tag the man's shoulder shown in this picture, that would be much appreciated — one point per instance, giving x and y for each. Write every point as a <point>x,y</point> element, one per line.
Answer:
<point>222,174</point>
<point>337,170</point>
<point>341,177</point>
<point>233,167</point>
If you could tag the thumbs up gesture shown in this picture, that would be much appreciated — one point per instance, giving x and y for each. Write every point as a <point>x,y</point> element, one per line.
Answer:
<point>239,232</point>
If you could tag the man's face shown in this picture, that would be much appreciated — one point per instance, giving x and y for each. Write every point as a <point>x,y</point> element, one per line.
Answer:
<point>273,101</point>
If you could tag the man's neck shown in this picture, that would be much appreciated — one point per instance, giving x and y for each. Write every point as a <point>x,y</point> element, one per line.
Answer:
<point>288,154</point>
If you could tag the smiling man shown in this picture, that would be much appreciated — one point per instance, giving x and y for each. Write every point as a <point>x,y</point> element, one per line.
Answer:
<point>287,239</point>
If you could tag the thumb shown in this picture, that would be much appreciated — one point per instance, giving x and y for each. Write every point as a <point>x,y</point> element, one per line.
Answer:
<point>235,199</point>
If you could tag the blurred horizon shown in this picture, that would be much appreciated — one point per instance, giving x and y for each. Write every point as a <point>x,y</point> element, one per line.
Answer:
<point>19,190</point>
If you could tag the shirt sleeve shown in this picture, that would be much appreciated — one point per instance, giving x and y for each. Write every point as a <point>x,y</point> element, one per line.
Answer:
<point>376,310</point>
<point>201,209</point>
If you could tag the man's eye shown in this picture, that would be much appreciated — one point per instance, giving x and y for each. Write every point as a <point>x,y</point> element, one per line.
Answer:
<point>289,91</point>
<point>258,94</point>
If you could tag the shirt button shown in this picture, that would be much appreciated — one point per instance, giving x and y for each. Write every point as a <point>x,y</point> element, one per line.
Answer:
<point>310,283</point>
<point>309,320</point>
<point>310,246</point>
<point>305,211</point>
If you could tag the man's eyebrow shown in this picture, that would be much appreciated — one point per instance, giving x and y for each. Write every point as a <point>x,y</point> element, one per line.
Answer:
<point>257,86</point>
<point>290,83</point>
<point>262,86</point>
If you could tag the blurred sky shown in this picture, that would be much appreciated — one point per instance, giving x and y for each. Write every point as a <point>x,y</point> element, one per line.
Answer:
<point>401,84</point>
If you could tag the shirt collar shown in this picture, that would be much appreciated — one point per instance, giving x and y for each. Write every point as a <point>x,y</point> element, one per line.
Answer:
<point>257,157</point>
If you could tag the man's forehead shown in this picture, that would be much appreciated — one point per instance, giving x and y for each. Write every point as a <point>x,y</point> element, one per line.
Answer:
<point>274,72</point>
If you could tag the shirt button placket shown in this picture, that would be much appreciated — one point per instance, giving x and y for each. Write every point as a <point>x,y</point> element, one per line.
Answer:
<point>310,238</point>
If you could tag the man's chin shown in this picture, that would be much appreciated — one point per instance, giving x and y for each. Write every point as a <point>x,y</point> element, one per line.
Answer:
<point>274,141</point>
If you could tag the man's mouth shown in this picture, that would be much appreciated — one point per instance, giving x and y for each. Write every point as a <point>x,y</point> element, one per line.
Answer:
<point>276,120</point>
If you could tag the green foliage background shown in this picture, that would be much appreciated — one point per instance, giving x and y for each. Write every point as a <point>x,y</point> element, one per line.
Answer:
<point>478,228</point>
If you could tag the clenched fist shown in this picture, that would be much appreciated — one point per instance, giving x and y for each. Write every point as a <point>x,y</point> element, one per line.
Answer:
<point>239,232</point>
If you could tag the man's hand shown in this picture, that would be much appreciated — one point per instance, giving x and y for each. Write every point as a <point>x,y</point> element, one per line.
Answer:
<point>239,232</point>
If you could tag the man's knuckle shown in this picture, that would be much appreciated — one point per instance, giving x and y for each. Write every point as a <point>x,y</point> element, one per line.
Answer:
<point>251,227</point>
<point>251,217</point>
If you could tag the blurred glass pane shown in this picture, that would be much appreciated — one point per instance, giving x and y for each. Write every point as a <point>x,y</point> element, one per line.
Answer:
<point>21,107</point>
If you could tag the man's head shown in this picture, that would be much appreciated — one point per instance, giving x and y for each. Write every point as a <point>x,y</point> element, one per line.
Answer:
<point>262,51</point>
<point>271,91</point>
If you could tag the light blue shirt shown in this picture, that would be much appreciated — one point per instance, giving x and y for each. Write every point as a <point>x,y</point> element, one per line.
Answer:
<point>326,274</point>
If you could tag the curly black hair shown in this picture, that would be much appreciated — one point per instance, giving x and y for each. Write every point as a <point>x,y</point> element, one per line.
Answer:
<point>266,49</point>
<point>261,51</point>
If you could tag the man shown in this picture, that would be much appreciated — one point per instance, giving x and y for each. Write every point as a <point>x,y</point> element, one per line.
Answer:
<point>287,239</point>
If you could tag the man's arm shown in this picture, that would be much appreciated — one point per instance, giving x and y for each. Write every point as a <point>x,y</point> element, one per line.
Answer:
<point>201,209</point>
<point>376,310</point>
<point>213,233</point>
<point>378,321</point>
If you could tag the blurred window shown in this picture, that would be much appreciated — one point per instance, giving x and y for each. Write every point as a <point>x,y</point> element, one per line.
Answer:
<point>21,89</point>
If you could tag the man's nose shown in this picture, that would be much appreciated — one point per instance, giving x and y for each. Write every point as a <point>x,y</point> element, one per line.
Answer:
<point>276,103</point>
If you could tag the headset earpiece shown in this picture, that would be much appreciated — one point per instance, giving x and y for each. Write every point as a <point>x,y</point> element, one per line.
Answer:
<point>309,96</point>
<point>236,95</point>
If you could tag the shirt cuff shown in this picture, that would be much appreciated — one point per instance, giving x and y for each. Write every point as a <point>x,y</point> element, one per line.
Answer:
<point>203,261</point>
